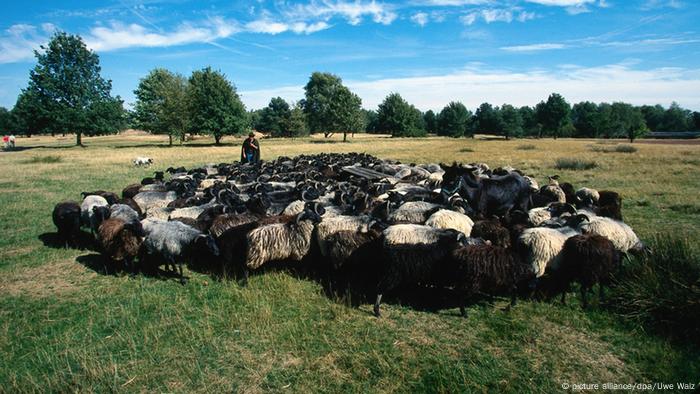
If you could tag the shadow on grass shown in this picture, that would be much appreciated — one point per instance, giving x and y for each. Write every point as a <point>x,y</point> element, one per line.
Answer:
<point>165,145</point>
<point>328,142</point>
<point>84,241</point>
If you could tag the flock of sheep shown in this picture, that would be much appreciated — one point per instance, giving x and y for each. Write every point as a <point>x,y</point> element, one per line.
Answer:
<point>363,225</point>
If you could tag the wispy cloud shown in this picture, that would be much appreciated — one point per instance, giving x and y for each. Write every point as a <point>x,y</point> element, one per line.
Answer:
<point>269,26</point>
<point>491,15</point>
<point>472,86</point>
<point>118,35</point>
<point>420,18</point>
<point>654,4</point>
<point>353,12</point>
<point>19,41</point>
<point>533,47</point>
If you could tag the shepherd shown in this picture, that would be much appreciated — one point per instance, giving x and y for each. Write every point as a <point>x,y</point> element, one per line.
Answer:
<point>250,151</point>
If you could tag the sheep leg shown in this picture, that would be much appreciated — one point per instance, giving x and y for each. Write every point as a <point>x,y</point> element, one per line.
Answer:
<point>584,296</point>
<point>183,280</point>
<point>376,305</point>
<point>601,292</point>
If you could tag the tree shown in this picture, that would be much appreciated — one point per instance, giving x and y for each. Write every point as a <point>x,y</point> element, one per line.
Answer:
<point>30,116</point>
<point>454,120</point>
<point>584,116</point>
<point>67,83</point>
<point>371,124</point>
<point>653,116</point>
<point>331,107</point>
<point>214,106</point>
<point>275,118</point>
<point>512,121</point>
<point>530,125</point>
<point>675,118</point>
<point>296,125</point>
<point>399,118</point>
<point>161,104</point>
<point>430,122</point>
<point>627,121</point>
<point>695,121</point>
<point>488,120</point>
<point>7,124</point>
<point>554,114</point>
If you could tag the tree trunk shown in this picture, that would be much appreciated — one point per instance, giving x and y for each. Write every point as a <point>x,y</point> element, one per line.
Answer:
<point>79,139</point>
<point>170,140</point>
<point>217,139</point>
<point>345,137</point>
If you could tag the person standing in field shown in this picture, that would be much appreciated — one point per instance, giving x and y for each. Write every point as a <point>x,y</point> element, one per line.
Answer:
<point>5,142</point>
<point>12,141</point>
<point>250,151</point>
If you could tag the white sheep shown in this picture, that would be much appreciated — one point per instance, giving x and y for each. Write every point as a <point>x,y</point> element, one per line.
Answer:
<point>416,212</point>
<point>142,161</point>
<point>150,200</point>
<point>90,216</point>
<point>445,218</point>
<point>544,245</point>
<point>621,234</point>
<point>333,224</point>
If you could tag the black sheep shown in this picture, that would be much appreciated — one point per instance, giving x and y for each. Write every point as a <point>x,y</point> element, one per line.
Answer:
<point>491,230</point>
<point>610,205</point>
<point>66,217</point>
<point>587,259</point>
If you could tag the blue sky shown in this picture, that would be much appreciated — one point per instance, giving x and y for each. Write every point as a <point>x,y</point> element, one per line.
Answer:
<point>429,51</point>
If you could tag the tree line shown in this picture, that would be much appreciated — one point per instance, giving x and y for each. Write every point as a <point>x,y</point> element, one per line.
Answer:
<point>66,94</point>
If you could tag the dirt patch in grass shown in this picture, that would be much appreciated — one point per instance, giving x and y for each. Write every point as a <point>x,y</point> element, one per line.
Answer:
<point>43,159</point>
<point>56,278</point>
<point>12,252</point>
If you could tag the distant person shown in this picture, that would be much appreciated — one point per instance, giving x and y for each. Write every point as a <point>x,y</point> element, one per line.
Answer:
<point>5,142</point>
<point>250,152</point>
<point>12,141</point>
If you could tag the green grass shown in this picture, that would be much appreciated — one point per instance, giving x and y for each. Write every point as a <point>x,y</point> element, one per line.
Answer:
<point>621,148</point>
<point>575,164</point>
<point>43,159</point>
<point>65,327</point>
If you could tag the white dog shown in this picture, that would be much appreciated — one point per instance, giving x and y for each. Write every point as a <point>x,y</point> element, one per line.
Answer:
<point>143,161</point>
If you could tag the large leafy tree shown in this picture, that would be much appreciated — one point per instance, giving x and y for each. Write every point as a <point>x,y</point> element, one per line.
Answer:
<point>584,116</point>
<point>399,118</point>
<point>161,103</point>
<point>512,121</point>
<point>454,120</point>
<point>331,107</point>
<point>695,120</point>
<point>488,120</point>
<point>430,121</point>
<point>275,118</point>
<point>214,106</point>
<point>66,82</point>
<point>675,118</point>
<point>653,116</point>
<point>627,121</point>
<point>371,121</point>
<point>531,127</point>
<point>296,124</point>
<point>554,115</point>
<point>7,124</point>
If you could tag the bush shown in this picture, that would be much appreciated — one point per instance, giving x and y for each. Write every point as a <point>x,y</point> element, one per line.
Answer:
<point>463,150</point>
<point>526,147</point>
<point>575,164</point>
<point>662,290</point>
<point>625,149</point>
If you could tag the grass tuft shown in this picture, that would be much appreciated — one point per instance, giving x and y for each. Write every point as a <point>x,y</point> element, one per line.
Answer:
<point>688,209</point>
<point>661,290</point>
<point>624,148</point>
<point>575,164</point>
<point>463,150</point>
<point>43,159</point>
<point>526,147</point>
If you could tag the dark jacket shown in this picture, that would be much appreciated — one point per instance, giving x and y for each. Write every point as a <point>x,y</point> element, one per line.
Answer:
<point>247,148</point>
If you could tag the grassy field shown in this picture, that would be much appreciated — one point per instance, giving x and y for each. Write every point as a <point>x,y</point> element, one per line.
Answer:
<point>66,326</point>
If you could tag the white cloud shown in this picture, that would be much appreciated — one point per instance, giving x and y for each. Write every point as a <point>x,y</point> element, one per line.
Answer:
<point>353,12</point>
<point>19,41</point>
<point>653,4</point>
<point>267,26</point>
<point>474,85</point>
<point>454,3</point>
<point>491,15</point>
<point>533,47</point>
<point>420,18</point>
<point>562,3</point>
<point>118,35</point>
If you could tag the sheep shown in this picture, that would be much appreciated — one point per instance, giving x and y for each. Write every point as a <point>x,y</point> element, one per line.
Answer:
<point>609,204</point>
<point>491,230</point>
<point>151,199</point>
<point>142,161</point>
<point>587,197</point>
<point>333,224</point>
<point>109,196</point>
<point>281,241</point>
<point>621,234</point>
<point>552,191</point>
<point>121,240</point>
<point>124,213</point>
<point>132,204</point>
<point>445,218</point>
<point>66,216</point>
<point>587,259</point>
<point>131,190</point>
<point>540,215</point>
<point>411,254</point>
<point>93,210</point>
<point>294,207</point>
<point>484,268</point>
<point>543,245</point>
<point>174,243</point>
<point>416,212</point>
